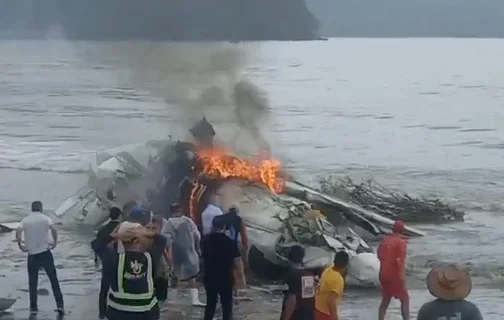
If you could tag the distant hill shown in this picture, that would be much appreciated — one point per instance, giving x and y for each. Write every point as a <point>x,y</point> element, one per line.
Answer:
<point>410,18</point>
<point>185,20</point>
<point>235,20</point>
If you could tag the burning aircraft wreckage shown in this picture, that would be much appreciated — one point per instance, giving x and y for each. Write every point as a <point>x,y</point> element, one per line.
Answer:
<point>279,212</point>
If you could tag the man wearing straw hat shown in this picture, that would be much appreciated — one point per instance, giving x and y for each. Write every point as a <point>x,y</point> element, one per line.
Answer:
<point>450,284</point>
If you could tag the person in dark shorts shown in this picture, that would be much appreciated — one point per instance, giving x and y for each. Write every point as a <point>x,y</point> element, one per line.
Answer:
<point>106,230</point>
<point>299,289</point>
<point>220,257</point>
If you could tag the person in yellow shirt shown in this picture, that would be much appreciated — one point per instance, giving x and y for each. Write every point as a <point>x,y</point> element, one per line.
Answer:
<point>330,288</point>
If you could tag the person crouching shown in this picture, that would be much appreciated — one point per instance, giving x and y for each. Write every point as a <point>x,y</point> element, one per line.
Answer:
<point>131,270</point>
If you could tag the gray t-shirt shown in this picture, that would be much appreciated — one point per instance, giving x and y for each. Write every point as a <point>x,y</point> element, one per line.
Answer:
<point>181,234</point>
<point>449,310</point>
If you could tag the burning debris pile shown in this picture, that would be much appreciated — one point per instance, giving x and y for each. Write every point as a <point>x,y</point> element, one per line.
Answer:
<point>373,196</point>
<point>214,164</point>
<point>218,163</point>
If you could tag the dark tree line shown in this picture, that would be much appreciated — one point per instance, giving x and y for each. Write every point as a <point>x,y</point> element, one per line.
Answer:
<point>410,18</point>
<point>184,20</point>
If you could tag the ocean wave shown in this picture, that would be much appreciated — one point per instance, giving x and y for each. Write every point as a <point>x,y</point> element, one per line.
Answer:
<point>491,207</point>
<point>44,169</point>
<point>484,272</point>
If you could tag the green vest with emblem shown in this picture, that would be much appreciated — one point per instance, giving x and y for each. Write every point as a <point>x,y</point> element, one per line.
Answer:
<point>134,289</point>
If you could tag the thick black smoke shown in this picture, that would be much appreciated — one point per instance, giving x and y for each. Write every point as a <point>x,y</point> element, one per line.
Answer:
<point>194,81</point>
<point>207,80</point>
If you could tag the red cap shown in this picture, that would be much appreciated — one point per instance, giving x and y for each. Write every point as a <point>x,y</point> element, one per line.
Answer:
<point>398,226</point>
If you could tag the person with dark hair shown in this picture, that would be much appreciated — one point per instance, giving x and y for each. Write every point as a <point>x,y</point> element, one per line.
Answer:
<point>330,288</point>
<point>220,257</point>
<point>114,220</point>
<point>183,241</point>
<point>299,289</point>
<point>106,230</point>
<point>235,229</point>
<point>38,229</point>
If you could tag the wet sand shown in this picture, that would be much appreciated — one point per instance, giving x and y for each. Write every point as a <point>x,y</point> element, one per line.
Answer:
<point>80,281</point>
<point>356,305</point>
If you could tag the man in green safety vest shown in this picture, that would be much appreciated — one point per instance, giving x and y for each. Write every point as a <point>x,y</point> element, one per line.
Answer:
<point>130,268</point>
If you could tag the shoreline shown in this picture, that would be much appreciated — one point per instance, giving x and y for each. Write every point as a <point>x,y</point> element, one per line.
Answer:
<point>232,41</point>
<point>126,39</point>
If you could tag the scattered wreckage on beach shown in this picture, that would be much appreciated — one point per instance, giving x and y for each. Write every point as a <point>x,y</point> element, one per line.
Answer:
<point>278,211</point>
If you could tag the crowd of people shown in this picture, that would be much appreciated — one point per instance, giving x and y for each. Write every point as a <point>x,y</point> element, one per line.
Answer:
<point>152,253</point>
<point>139,257</point>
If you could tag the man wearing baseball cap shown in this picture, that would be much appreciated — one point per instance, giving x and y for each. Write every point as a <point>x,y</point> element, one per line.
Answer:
<point>139,215</point>
<point>450,285</point>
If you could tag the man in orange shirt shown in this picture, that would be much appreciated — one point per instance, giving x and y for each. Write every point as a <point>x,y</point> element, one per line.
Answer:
<point>392,255</point>
<point>330,288</point>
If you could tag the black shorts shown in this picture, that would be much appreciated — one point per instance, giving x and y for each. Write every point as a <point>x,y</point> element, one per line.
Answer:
<point>161,289</point>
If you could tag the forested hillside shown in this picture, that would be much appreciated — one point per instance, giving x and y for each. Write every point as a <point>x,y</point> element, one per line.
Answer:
<point>158,19</point>
<point>410,18</point>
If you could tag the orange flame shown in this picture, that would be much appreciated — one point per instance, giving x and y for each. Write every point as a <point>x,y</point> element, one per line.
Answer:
<point>221,164</point>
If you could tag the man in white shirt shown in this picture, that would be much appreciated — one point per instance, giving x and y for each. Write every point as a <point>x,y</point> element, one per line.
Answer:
<point>38,229</point>
<point>210,212</point>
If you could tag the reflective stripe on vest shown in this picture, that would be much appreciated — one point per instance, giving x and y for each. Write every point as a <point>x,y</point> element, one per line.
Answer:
<point>132,302</point>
